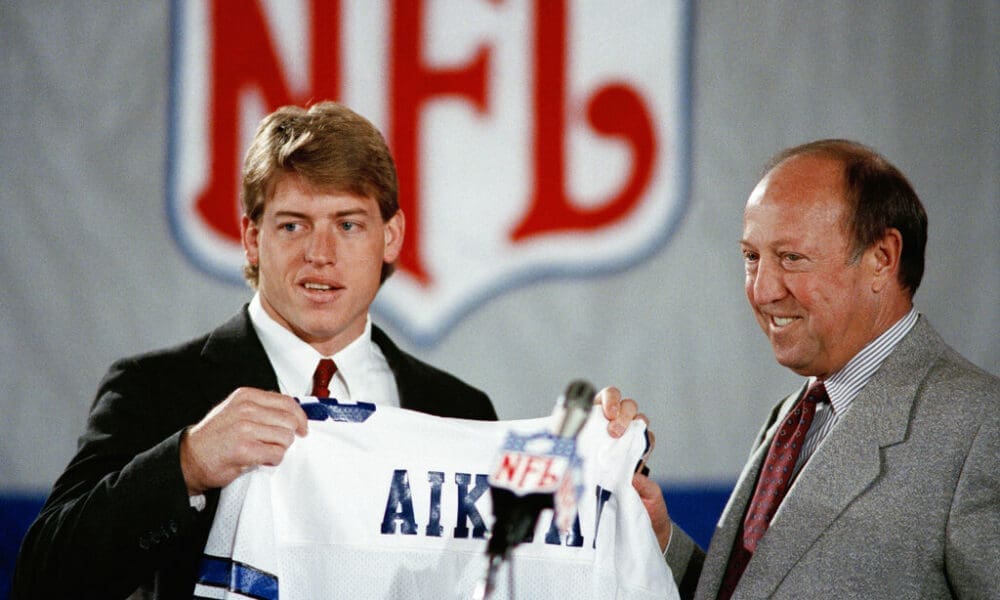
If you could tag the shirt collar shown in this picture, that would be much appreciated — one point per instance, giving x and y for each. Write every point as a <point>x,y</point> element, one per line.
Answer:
<point>844,386</point>
<point>294,360</point>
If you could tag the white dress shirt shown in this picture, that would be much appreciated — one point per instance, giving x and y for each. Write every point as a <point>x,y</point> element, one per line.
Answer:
<point>363,375</point>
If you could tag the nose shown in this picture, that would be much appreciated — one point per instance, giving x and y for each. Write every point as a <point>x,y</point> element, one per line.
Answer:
<point>766,284</point>
<point>322,247</point>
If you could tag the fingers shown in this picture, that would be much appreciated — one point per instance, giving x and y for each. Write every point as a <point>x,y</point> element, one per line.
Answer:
<point>620,412</point>
<point>610,399</point>
<point>251,427</point>
<point>617,410</point>
<point>278,409</point>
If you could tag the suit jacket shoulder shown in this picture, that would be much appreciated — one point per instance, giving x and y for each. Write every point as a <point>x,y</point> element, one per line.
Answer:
<point>127,465</point>
<point>430,390</point>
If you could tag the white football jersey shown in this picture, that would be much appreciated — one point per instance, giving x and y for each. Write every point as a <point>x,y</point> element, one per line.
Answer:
<point>392,503</point>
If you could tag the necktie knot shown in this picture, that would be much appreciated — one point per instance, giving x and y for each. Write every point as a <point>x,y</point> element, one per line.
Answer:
<point>322,376</point>
<point>817,393</point>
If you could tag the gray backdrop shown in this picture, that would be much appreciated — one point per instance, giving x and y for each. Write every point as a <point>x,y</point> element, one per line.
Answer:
<point>91,273</point>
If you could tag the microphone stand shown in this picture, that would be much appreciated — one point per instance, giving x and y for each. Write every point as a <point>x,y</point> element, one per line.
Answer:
<point>514,525</point>
<point>484,589</point>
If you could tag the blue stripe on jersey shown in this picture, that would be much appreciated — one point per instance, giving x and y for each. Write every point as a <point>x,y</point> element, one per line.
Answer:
<point>214,571</point>
<point>237,577</point>
<point>329,408</point>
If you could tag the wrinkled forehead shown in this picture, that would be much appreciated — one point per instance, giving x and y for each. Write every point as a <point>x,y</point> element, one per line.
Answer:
<point>802,197</point>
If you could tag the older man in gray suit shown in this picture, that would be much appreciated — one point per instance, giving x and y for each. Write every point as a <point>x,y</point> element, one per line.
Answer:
<point>880,477</point>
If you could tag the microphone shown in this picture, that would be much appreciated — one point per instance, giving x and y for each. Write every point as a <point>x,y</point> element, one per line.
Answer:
<point>573,408</point>
<point>530,471</point>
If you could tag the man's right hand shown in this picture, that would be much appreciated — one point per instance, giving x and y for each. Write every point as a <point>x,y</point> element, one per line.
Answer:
<point>619,413</point>
<point>251,427</point>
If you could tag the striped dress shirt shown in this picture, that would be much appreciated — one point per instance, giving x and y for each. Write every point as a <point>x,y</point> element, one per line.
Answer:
<point>844,386</point>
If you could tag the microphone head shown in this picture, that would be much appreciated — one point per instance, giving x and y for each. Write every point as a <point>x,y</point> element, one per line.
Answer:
<point>533,469</point>
<point>573,408</point>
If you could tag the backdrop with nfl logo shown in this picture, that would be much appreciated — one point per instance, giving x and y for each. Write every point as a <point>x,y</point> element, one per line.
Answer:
<point>572,173</point>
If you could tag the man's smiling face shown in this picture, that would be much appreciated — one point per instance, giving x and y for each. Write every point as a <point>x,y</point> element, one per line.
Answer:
<point>811,296</point>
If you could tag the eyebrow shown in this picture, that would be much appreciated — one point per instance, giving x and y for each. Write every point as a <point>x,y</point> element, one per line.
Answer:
<point>773,243</point>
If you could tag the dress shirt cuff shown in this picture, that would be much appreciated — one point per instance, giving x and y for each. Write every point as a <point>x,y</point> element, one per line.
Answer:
<point>197,502</point>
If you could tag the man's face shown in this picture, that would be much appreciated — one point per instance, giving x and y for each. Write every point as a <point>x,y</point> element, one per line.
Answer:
<point>814,303</point>
<point>320,255</point>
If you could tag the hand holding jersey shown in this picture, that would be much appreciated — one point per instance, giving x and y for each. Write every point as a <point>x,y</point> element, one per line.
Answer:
<point>251,427</point>
<point>619,412</point>
<point>254,427</point>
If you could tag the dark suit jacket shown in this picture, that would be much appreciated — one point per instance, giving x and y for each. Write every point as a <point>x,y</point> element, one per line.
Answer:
<point>901,500</point>
<point>118,518</point>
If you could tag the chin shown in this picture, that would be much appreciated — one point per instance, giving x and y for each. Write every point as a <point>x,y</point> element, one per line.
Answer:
<point>803,369</point>
<point>789,362</point>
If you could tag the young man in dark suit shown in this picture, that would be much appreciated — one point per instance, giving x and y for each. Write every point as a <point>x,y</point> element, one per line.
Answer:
<point>321,230</point>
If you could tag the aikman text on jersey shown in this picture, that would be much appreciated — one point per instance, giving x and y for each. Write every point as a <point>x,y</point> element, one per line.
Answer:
<point>400,518</point>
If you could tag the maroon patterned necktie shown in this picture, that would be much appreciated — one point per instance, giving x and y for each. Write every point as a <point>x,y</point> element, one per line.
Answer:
<point>776,476</point>
<point>321,378</point>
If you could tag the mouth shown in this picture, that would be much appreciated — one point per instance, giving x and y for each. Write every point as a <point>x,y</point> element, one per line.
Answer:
<point>322,290</point>
<point>781,322</point>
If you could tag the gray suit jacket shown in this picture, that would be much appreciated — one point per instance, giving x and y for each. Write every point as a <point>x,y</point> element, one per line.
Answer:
<point>901,500</point>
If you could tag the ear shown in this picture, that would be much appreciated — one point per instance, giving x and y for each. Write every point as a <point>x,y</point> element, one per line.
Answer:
<point>395,231</point>
<point>248,234</point>
<point>884,258</point>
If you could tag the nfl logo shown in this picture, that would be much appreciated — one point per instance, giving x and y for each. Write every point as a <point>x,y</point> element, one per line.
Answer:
<point>532,138</point>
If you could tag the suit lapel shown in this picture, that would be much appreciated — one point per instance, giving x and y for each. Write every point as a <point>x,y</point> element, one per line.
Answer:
<point>720,547</point>
<point>233,357</point>
<point>413,380</point>
<point>843,467</point>
<point>398,364</point>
